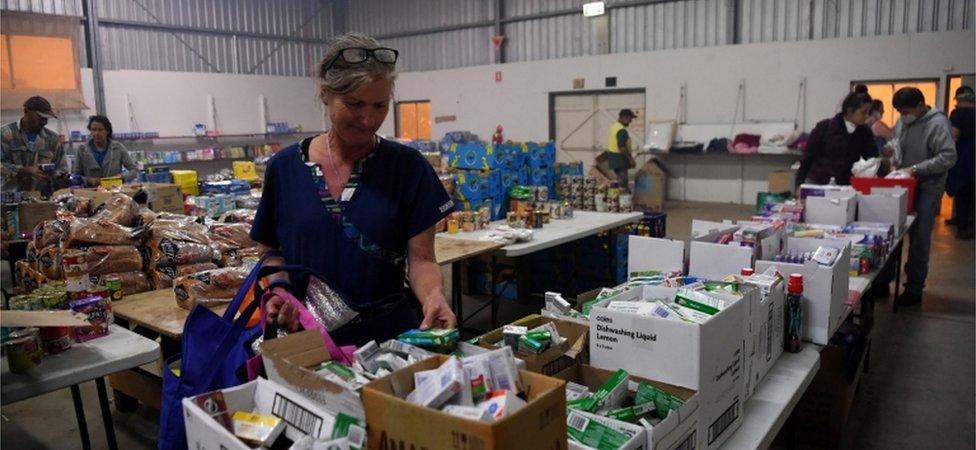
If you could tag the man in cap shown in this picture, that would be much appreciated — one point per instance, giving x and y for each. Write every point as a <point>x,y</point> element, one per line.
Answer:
<point>31,154</point>
<point>620,146</point>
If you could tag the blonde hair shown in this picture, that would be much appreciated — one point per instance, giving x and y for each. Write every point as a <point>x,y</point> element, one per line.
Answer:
<point>343,78</point>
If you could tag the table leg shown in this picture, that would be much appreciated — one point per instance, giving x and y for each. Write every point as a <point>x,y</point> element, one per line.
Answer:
<point>897,260</point>
<point>494,295</point>
<point>80,415</point>
<point>456,295</point>
<point>106,414</point>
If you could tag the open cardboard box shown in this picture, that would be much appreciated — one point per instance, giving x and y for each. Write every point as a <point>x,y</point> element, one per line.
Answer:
<point>678,430</point>
<point>713,261</point>
<point>648,254</point>
<point>707,357</point>
<point>288,360</point>
<point>302,416</point>
<point>396,423</point>
<point>764,344</point>
<point>834,208</point>
<point>557,361</point>
<point>889,205</point>
<point>825,288</point>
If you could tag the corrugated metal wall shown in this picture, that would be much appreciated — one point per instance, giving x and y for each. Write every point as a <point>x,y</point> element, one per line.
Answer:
<point>251,31</point>
<point>793,20</point>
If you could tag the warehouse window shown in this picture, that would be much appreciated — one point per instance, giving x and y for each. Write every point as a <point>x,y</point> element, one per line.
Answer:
<point>413,119</point>
<point>38,56</point>
<point>884,90</point>
<point>953,83</point>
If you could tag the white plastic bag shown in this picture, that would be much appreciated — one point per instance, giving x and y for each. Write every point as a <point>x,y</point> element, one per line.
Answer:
<point>866,167</point>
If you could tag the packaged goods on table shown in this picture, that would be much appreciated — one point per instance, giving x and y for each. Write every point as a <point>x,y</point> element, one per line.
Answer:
<point>132,282</point>
<point>84,232</point>
<point>375,361</point>
<point>170,252</point>
<point>49,262</point>
<point>103,259</point>
<point>238,216</point>
<point>26,277</point>
<point>231,236</point>
<point>179,228</point>
<point>119,208</point>
<point>163,276</point>
<point>439,340</point>
<point>489,381</point>
<point>98,310</point>
<point>49,232</point>
<point>208,288</point>
<point>237,257</point>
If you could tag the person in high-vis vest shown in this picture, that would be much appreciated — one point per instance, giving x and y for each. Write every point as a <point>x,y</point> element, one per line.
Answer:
<point>620,146</point>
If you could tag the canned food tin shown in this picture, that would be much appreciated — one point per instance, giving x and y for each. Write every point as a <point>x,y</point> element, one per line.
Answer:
<point>114,285</point>
<point>24,350</point>
<point>56,339</point>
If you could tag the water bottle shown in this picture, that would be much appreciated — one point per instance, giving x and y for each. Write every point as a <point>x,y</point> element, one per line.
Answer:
<point>794,314</point>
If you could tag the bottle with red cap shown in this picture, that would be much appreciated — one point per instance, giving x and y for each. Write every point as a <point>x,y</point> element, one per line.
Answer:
<point>747,271</point>
<point>794,314</point>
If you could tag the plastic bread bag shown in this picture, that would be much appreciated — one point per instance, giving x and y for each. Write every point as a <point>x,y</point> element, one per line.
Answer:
<point>169,252</point>
<point>238,216</point>
<point>49,232</point>
<point>133,282</point>
<point>163,276</point>
<point>231,236</point>
<point>237,257</point>
<point>121,209</point>
<point>31,253</point>
<point>49,262</point>
<point>26,277</point>
<point>83,232</point>
<point>179,228</point>
<point>102,259</point>
<point>146,216</point>
<point>208,288</point>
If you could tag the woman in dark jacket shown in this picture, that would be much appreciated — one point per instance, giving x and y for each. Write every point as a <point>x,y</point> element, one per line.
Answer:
<point>837,143</point>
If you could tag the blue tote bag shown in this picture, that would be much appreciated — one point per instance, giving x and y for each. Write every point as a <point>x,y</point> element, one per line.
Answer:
<point>214,349</point>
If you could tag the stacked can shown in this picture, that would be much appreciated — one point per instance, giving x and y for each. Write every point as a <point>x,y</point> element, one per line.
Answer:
<point>75,273</point>
<point>542,193</point>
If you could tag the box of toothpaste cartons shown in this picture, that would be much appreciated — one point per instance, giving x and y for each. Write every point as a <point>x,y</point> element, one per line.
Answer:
<point>825,288</point>
<point>764,344</point>
<point>292,362</point>
<point>396,423</point>
<point>559,359</point>
<point>709,259</point>
<point>707,357</point>
<point>679,430</point>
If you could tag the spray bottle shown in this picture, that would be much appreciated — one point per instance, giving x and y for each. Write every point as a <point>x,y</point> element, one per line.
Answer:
<point>794,314</point>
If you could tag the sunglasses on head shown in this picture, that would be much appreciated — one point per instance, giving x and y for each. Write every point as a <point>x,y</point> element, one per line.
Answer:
<point>359,55</point>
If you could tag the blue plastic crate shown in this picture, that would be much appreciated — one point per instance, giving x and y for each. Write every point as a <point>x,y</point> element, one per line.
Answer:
<point>478,156</point>
<point>541,176</point>
<point>539,154</point>
<point>476,184</point>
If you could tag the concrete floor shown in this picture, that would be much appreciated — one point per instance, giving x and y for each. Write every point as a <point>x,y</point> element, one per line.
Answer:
<point>918,394</point>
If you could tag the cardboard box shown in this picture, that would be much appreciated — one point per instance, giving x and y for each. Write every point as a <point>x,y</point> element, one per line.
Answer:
<point>187,180</point>
<point>558,361</point>
<point>287,361</point>
<point>780,181</point>
<point>678,430</point>
<point>602,178</point>
<point>764,344</point>
<point>301,416</point>
<point>651,186</point>
<point>888,205</point>
<point>243,170</point>
<point>395,423</point>
<point>835,208</point>
<point>637,434</point>
<point>706,357</point>
<point>825,289</point>
<point>31,214</point>
<point>646,253</point>
<point>165,198</point>
<point>710,260</point>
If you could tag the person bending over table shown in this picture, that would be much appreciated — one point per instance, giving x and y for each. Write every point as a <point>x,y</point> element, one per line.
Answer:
<point>837,143</point>
<point>355,209</point>
<point>103,156</point>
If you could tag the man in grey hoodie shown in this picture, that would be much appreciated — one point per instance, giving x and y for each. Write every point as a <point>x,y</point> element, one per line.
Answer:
<point>927,152</point>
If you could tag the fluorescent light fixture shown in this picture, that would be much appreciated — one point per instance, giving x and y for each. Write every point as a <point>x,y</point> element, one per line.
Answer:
<point>594,9</point>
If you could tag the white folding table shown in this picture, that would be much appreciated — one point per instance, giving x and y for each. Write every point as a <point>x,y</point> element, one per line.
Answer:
<point>92,360</point>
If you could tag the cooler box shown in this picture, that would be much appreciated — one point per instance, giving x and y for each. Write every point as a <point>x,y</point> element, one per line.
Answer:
<point>864,185</point>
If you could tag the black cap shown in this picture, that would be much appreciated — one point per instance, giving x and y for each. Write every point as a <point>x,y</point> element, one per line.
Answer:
<point>627,113</point>
<point>965,93</point>
<point>41,106</point>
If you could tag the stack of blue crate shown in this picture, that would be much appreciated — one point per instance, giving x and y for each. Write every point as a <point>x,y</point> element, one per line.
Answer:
<point>485,172</point>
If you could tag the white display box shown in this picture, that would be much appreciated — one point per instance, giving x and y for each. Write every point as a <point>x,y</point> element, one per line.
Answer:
<point>825,289</point>
<point>764,344</point>
<point>889,205</point>
<point>835,208</point>
<point>706,357</point>
<point>647,253</point>
<point>302,416</point>
<point>712,261</point>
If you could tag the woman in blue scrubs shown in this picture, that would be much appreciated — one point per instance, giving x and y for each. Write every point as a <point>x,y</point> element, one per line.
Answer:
<point>355,209</point>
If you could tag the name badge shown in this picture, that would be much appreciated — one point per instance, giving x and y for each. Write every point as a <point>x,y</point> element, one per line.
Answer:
<point>347,194</point>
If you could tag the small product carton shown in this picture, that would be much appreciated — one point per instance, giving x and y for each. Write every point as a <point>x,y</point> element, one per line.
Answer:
<point>558,360</point>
